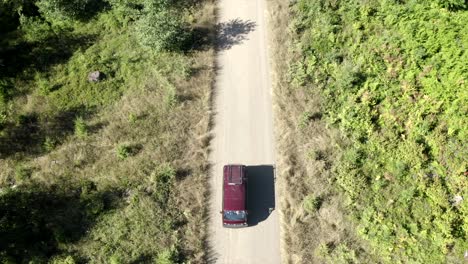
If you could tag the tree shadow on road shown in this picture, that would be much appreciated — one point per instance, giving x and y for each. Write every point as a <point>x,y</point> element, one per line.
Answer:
<point>260,192</point>
<point>233,32</point>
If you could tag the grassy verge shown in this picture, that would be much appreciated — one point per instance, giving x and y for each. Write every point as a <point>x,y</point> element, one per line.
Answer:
<point>391,83</point>
<point>314,219</point>
<point>112,171</point>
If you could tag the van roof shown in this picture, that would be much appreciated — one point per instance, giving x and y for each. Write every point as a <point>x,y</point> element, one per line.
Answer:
<point>234,187</point>
<point>234,174</point>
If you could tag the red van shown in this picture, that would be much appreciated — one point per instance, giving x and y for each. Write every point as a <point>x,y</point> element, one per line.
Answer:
<point>234,196</point>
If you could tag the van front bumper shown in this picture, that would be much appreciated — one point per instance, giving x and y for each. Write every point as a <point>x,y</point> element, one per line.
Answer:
<point>236,225</point>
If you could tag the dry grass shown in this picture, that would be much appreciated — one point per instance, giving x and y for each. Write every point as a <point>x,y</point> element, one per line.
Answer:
<point>307,150</point>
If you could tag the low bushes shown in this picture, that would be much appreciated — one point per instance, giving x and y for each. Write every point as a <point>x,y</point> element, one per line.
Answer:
<point>393,79</point>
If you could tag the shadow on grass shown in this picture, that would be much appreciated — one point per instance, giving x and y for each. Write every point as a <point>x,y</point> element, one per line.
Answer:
<point>201,38</point>
<point>93,8</point>
<point>211,256</point>
<point>28,135</point>
<point>36,219</point>
<point>145,258</point>
<point>260,192</point>
<point>40,56</point>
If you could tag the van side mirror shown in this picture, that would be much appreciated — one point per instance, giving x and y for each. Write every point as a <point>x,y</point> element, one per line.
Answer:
<point>220,212</point>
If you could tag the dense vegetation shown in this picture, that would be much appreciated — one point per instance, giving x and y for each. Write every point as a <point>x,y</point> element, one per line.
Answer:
<point>392,75</point>
<point>111,169</point>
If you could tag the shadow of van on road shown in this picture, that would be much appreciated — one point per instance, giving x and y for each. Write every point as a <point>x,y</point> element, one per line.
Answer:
<point>260,192</point>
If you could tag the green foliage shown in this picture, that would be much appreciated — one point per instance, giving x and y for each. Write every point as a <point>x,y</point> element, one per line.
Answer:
<point>22,172</point>
<point>49,144</point>
<point>3,116</point>
<point>43,84</point>
<point>145,226</point>
<point>171,97</point>
<point>162,180</point>
<point>167,256</point>
<point>312,203</point>
<point>35,29</point>
<point>115,259</point>
<point>316,155</point>
<point>57,10</point>
<point>81,129</point>
<point>397,90</point>
<point>6,89</point>
<point>123,151</point>
<point>298,74</point>
<point>132,118</point>
<point>305,119</point>
<point>162,26</point>
<point>126,10</point>
<point>340,254</point>
<point>63,260</point>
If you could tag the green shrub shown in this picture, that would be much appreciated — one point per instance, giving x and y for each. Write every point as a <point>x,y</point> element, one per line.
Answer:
<point>123,151</point>
<point>81,129</point>
<point>6,89</point>
<point>22,172</point>
<point>162,181</point>
<point>162,27</point>
<point>305,119</point>
<point>312,203</point>
<point>339,254</point>
<point>297,74</point>
<point>115,259</point>
<point>3,111</point>
<point>43,84</point>
<point>132,118</point>
<point>3,117</point>
<point>171,97</point>
<point>126,11</point>
<point>59,10</point>
<point>35,29</point>
<point>168,256</point>
<point>316,155</point>
<point>63,260</point>
<point>49,144</point>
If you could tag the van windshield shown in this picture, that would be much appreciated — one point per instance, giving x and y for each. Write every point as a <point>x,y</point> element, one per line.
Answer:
<point>234,215</point>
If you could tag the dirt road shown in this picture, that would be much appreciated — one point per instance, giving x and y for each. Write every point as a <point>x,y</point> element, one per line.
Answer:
<point>243,133</point>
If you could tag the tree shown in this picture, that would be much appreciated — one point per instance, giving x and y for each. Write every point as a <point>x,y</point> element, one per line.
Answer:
<point>63,9</point>
<point>57,11</point>
<point>126,10</point>
<point>162,26</point>
<point>35,28</point>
